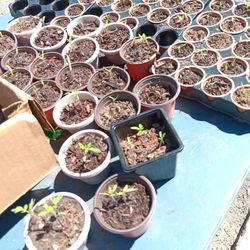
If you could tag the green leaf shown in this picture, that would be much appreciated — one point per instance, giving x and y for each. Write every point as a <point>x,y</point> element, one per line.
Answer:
<point>43,213</point>
<point>25,207</point>
<point>53,135</point>
<point>31,204</point>
<point>18,209</point>
<point>57,199</point>
<point>81,146</point>
<point>96,151</point>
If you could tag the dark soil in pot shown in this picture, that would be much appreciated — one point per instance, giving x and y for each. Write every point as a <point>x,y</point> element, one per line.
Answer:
<point>182,50</point>
<point>220,41</point>
<point>179,21</point>
<point>75,10</point>
<point>140,10</point>
<point>233,24</point>
<point>170,3</point>
<point>189,76</point>
<point>205,58</point>
<point>19,77</point>
<point>127,207</point>
<point>209,19</point>
<point>20,57</point>
<point>77,111</point>
<point>242,10</point>
<point>47,65</point>
<point>104,3</point>
<point>111,40</point>
<point>232,67</point>
<point>190,7</point>
<point>24,25</point>
<point>165,67</point>
<point>46,93</point>
<point>49,37</point>
<point>76,78</point>
<point>242,49</point>
<point>81,51</point>
<point>7,43</point>
<point>195,35</point>
<point>140,50</point>
<point>159,15</point>
<point>222,5</point>
<point>122,5</point>
<point>84,28</point>
<point>86,154</point>
<point>217,86</point>
<point>61,230</point>
<point>63,22</point>
<point>110,18</point>
<point>242,96</point>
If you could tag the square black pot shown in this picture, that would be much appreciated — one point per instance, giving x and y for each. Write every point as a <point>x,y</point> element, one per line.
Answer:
<point>160,168</point>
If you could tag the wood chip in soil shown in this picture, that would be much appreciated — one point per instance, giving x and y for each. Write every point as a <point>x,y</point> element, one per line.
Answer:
<point>6,44</point>
<point>233,24</point>
<point>195,35</point>
<point>179,21</point>
<point>181,50</point>
<point>242,96</point>
<point>205,58</point>
<point>220,41</point>
<point>221,5</point>
<point>24,25</point>
<point>19,78</point>
<point>242,49</point>
<point>209,19</point>
<point>77,111</point>
<point>79,161</point>
<point>170,3</point>
<point>84,28</point>
<point>165,67</point>
<point>217,86</point>
<point>51,230</point>
<point>191,7</point>
<point>189,76</point>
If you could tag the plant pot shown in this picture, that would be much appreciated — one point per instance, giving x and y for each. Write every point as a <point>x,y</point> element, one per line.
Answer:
<point>165,38</point>
<point>69,99</point>
<point>198,75</point>
<point>132,22</point>
<point>23,85</point>
<point>153,18</point>
<point>61,21</point>
<point>27,53</point>
<point>210,19</point>
<point>57,47</point>
<point>142,227</point>
<point>216,6</point>
<point>175,23</point>
<point>213,78</point>
<point>241,108</point>
<point>107,101</point>
<point>120,6</point>
<point>241,10</point>
<point>47,69</point>
<point>12,42</point>
<point>74,10</point>
<point>149,29</point>
<point>83,20</point>
<point>237,60</point>
<point>94,176</point>
<point>163,66</point>
<point>166,82</point>
<point>196,34</point>
<point>162,167</point>
<point>104,3</point>
<point>144,10</point>
<point>110,17</point>
<point>112,54</point>
<point>47,109</point>
<point>228,22</point>
<point>241,49</point>
<point>191,7</point>
<point>79,82</point>
<point>74,46</point>
<point>174,50</point>
<point>85,2</point>
<point>82,238</point>
<point>169,4</point>
<point>144,65</point>
<point>97,81</point>
<point>150,1</point>
<point>23,36</point>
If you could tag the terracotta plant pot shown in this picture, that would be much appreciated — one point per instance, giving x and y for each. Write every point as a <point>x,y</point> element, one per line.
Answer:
<point>132,22</point>
<point>242,20</point>
<point>164,81</point>
<point>23,37</point>
<point>61,21</point>
<point>125,178</point>
<point>74,5</point>
<point>119,96</point>
<point>94,176</point>
<point>196,28</point>
<point>82,238</point>
<point>163,61</point>
<point>214,14</point>
<point>4,49</point>
<point>240,107</point>
<point>133,67</point>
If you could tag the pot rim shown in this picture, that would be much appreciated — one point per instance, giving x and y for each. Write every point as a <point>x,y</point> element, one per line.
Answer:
<point>115,2</point>
<point>196,12</point>
<point>74,4</point>
<point>234,47</point>
<point>193,27</point>
<point>10,34</point>
<point>208,12</point>
<point>150,13</point>
<point>111,12</point>
<point>137,4</point>
<point>180,13</point>
<point>56,18</point>
<point>224,11</point>
<point>234,102</point>
<point>180,42</point>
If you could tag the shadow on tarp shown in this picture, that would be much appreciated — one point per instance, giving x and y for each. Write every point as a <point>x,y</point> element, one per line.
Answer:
<point>223,122</point>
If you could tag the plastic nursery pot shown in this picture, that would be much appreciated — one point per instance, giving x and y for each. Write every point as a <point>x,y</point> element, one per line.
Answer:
<point>123,73</point>
<point>82,20</point>
<point>24,49</point>
<point>138,70</point>
<point>187,34</point>
<point>239,106</point>
<point>148,29</point>
<point>38,60</point>
<point>114,14</point>
<point>232,19</point>
<point>165,38</point>
<point>73,15</point>
<point>241,9</point>
<point>93,60</point>
<point>216,6</point>
<point>150,1</point>
<point>245,47</point>
<point>213,97</point>
<point>187,3</point>
<point>197,70</point>
<point>68,99</point>
<point>94,176</point>
<point>125,178</point>
<point>124,8</point>
<point>57,47</point>
<point>106,100</point>
<point>131,21</point>
<point>238,60</point>
<point>104,3</point>
<point>13,37</point>
<point>132,10</point>
<point>214,14</point>
<point>178,14</point>
<point>162,167</point>
<point>61,21</point>
<point>23,37</point>
<point>164,81</point>
<point>180,45</point>
<point>163,61</point>
<point>162,11</point>
<point>82,238</point>
<point>114,55</point>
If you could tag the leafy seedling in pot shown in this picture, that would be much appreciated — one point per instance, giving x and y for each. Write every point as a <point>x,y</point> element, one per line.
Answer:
<point>42,19</point>
<point>35,90</point>
<point>69,63</point>
<point>162,136</point>
<point>89,148</point>
<point>10,70</point>
<point>140,129</point>
<point>129,141</point>
<point>69,39</point>
<point>112,190</point>
<point>246,5</point>
<point>76,94</point>
<point>50,209</point>
<point>26,209</point>
<point>42,56</point>
<point>109,71</point>
<point>44,84</point>
<point>182,18</point>
<point>113,99</point>
<point>141,38</point>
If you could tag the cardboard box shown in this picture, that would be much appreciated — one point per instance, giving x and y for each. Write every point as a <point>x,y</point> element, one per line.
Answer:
<point>26,156</point>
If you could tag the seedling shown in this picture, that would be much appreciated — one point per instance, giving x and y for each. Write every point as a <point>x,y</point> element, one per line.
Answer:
<point>247,5</point>
<point>119,109</point>
<point>162,136</point>
<point>225,66</point>
<point>107,116</point>
<point>44,84</point>
<point>129,141</point>
<point>35,90</point>
<point>50,209</point>
<point>141,38</point>
<point>11,71</point>
<point>26,209</point>
<point>140,129</point>
<point>42,56</point>
<point>161,94</point>
<point>69,39</point>
<point>246,94</point>
<point>113,98</point>
<point>182,18</point>
<point>233,62</point>
<point>76,94</point>
<point>69,63</point>
<point>112,190</point>
<point>109,69</point>
<point>89,148</point>
<point>219,5</point>
<point>42,19</point>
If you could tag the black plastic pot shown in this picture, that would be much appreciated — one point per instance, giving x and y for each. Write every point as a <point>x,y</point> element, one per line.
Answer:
<point>161,168</point>
<point>148,29</point>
